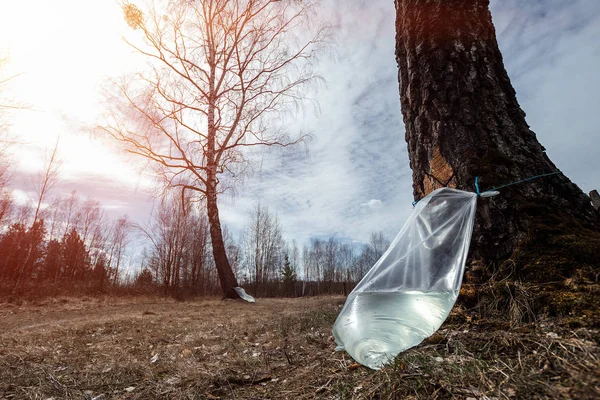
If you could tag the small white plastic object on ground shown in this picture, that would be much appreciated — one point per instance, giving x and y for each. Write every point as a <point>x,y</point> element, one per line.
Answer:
<point>243,295</point>
<point>409,292</point>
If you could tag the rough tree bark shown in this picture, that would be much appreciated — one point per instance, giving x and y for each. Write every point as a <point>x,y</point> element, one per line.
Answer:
<point>463,120</point>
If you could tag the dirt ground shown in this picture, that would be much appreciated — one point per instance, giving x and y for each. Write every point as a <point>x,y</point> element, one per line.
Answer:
<point>151,348</point>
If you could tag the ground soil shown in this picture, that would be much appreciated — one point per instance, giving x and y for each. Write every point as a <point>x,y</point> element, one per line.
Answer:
<point>154,348</point>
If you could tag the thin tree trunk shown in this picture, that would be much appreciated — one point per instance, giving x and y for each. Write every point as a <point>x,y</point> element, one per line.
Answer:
<point>226,276</point>
<point>463,120</point>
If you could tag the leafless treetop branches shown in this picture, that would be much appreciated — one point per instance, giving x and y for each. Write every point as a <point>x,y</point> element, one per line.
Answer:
<point>221,74</point>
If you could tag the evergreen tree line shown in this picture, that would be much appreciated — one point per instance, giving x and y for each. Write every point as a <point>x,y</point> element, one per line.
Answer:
<point>69,241</point>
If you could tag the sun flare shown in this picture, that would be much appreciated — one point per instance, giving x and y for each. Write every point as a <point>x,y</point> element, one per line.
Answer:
<point>62,53</point>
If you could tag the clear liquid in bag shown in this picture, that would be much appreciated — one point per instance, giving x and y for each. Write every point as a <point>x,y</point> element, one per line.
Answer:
<point>375,326</point>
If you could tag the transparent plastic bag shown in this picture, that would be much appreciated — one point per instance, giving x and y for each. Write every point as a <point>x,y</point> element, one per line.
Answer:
<point>243,295</point>
<point>409,292</point>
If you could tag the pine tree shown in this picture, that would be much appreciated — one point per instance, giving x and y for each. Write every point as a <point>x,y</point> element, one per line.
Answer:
<point>288,275</point>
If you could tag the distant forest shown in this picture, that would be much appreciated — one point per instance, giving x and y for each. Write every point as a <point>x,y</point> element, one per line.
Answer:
<point>69,245</point>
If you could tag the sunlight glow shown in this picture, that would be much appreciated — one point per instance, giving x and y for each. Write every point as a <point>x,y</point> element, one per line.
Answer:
<point>64,51</point>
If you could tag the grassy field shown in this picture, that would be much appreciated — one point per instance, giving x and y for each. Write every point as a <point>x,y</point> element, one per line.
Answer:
<point>151,348</point>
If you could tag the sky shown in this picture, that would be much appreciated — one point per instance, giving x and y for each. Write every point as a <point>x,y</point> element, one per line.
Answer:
<point>354,177</point>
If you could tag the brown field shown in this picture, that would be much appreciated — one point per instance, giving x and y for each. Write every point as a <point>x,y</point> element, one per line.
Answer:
<point>152,348</point>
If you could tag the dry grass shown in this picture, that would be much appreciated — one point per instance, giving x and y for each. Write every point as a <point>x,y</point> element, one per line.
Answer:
<point>149,348</point>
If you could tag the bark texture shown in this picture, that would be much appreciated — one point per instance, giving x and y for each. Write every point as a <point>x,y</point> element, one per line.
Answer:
<point>463,120</point>
<point>226,277</point>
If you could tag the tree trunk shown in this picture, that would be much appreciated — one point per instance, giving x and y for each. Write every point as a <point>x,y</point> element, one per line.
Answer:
<point>226,276</point>
<point>463,120</point>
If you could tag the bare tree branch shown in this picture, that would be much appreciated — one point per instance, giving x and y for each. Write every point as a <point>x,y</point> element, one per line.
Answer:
<point>221,74</point>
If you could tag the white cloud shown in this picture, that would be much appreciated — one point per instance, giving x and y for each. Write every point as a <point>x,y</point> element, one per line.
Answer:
<point>373,204</point>
<point>358,159</point>
<point>358,152</point>
<point>552,54</point>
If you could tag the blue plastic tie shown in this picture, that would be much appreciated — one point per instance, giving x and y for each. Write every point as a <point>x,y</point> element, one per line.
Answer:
<point>479,192</point>
<point>514,183</point>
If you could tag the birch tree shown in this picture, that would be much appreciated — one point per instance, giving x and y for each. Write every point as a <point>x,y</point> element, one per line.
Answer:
<point>222,73</point>
<point>463,120</point>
